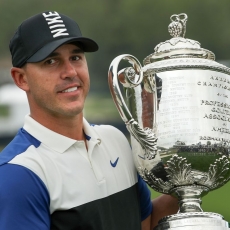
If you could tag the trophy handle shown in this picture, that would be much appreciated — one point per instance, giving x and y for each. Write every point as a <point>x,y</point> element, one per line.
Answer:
<point>130,77</point>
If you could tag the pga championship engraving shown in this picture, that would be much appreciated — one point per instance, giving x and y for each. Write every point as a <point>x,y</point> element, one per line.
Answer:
<point>177,110</point>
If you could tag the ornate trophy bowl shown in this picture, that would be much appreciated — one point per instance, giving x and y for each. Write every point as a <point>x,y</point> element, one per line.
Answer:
<point>177,110</point>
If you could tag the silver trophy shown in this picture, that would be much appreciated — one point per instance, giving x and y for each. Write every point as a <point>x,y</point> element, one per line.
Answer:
<point>177,110</point>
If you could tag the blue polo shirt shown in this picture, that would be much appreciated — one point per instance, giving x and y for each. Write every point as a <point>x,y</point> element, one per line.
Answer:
<point>49,181</point>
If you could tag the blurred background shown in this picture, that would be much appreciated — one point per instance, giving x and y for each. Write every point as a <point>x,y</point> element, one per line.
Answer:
<point>119,27</point>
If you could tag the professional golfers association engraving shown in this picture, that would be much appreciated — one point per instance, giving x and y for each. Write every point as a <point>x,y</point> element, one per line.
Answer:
<point>176,108</point>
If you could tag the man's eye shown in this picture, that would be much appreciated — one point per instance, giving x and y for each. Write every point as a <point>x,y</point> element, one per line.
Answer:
<point>75,58</point>
<point>50,61</point>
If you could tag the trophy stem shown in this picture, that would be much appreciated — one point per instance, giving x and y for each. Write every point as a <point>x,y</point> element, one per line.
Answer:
<point>189,198</point>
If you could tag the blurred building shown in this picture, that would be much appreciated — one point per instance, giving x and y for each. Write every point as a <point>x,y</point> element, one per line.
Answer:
<point>13,108</point>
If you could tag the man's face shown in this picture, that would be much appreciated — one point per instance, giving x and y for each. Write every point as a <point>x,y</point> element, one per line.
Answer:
<point>58,85</point>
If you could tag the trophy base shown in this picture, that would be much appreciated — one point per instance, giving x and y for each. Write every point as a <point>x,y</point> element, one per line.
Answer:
<point>193,220</point>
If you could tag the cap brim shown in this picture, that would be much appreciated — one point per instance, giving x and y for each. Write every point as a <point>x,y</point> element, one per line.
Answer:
<point>87,44</point>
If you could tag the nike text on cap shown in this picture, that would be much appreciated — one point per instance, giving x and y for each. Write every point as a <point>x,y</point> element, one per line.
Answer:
<point>40,35</point>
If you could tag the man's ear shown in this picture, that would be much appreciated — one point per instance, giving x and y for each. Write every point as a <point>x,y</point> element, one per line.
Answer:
<point>19,77</point>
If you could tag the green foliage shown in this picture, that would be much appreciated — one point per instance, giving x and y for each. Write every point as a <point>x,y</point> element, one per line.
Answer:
<point>4,111</point>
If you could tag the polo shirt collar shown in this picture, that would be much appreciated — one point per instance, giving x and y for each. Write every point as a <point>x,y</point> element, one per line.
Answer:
<point>53,140</point>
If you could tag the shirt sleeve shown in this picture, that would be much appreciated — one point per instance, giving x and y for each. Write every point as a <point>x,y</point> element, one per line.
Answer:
<point>24,199</point>
<point>145,199</point>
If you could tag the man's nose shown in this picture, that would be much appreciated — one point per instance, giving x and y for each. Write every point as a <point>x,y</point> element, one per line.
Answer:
<point>68,70</point>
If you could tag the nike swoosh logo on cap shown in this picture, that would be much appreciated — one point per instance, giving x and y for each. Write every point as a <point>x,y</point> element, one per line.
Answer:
<point>114,164</point>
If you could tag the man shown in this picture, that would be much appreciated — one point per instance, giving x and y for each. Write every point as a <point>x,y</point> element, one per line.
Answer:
<point>59,172</point>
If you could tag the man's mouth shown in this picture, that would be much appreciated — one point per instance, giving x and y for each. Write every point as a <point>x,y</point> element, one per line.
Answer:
<point>69,90</point>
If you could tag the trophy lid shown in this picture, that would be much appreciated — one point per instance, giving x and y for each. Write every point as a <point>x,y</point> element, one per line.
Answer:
<point>178,46</point>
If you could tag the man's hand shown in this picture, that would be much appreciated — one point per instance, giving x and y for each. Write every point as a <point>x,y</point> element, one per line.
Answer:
<point>163,205</point>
